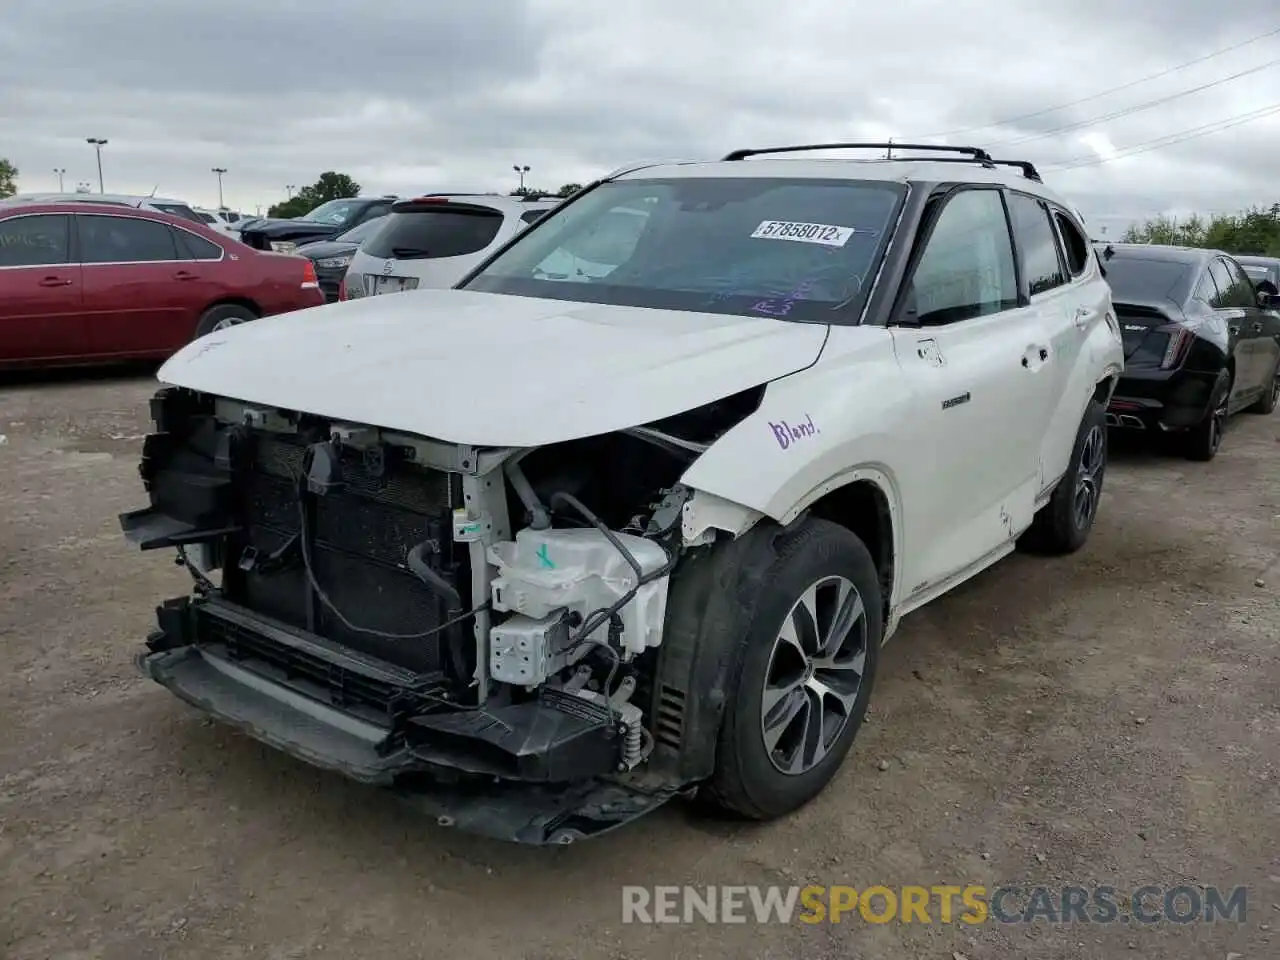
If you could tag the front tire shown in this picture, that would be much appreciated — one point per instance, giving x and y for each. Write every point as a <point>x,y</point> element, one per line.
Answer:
<point>807,666</point>
<point>1063,524</point>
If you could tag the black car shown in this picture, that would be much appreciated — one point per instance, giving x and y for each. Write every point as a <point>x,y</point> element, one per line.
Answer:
<point>332,257</point>
<point>1201,342</point>
<point>323,223</point>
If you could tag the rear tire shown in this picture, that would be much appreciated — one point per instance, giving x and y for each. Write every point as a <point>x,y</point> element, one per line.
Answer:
<point>1062,525</point>
<point>1203,441</point>
<point>796,703</point>
<point>223,316</point>
<point>1267,402</point>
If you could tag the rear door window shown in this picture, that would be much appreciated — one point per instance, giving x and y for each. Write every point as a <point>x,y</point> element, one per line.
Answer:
<point>197,248</point>
<point>434,232</point>
<point>37,241</point>
<point>1037,244</point>
<point>105,239</point>
<point>1225,283</point>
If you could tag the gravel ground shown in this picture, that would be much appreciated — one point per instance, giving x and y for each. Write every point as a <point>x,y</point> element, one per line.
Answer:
<point>1106,718</point>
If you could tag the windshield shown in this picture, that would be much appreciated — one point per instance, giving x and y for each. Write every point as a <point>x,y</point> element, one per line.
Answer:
<point>1140,279</point>
<point>335,211</point>
<point>179,210</point>
<point>361,233</point>
<point>764,246</point>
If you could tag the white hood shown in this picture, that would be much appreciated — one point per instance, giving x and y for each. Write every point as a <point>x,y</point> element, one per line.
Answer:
<point>492,370</point>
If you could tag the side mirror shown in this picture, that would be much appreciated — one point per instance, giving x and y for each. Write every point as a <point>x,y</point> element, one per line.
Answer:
<point>1268,295</point>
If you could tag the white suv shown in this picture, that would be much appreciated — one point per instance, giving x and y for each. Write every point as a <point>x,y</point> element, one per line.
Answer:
<point>433,241</point>
<point>632,509</point>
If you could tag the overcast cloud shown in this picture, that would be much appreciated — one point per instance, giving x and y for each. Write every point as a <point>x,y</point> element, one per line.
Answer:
<point>408,96</point>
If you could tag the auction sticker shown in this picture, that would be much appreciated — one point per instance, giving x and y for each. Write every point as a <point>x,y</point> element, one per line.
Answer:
<point>824,233</point>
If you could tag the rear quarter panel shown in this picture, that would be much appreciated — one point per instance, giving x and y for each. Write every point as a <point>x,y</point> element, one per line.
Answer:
<point>273,281</point>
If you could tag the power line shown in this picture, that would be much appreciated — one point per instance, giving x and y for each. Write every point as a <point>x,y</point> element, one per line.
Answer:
<point>1134,109</point>
<point>1169,139</point>
<point>1010,121</point>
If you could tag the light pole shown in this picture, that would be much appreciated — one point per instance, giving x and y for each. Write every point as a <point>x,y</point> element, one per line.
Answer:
<point>219,171</point>
<point>98,144</point>
<point>521,171</point>
<point>288,189</point>
<point>60,171</point>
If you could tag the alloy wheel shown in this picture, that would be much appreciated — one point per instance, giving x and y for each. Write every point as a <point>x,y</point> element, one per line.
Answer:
<point>814,676</point>
<point>1088,477</point>
<point>224,323</point>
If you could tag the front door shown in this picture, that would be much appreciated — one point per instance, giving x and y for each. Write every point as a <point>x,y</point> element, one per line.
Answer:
<point>135,297</point>
<point>41,316</point>
<point>979,362</point>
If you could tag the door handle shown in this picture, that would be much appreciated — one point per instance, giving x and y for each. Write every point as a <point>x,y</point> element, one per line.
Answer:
<point>55,282</point>
<point>1082,316</point>
<point>185,275</point>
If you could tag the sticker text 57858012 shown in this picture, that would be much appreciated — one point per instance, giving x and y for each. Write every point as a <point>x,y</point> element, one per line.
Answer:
<point>824,233</point>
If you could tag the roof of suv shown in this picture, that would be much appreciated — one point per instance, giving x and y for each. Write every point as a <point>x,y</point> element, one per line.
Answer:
<point>498,201</point>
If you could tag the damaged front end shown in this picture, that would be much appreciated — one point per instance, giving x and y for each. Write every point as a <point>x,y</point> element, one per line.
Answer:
<point>476,628</point>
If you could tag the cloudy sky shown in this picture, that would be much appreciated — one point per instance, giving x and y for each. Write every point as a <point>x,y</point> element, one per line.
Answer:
<point>413,95</point>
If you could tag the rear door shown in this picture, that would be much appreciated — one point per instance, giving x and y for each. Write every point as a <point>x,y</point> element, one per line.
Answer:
<point>138,292</point>
<point>1066,306</point>
<point>41,311</point>
<point>1232,306</point>
<point>1260,329</point>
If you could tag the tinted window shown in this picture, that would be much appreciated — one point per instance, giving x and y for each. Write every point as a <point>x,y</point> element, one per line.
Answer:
<point>1037,244</point>
<point>1142,279</point>
<point>1206,289</point>
<point>198,248</point>
<point>759,246</point>
<point>966,269</point>
<point>1074,244</point>
<point>1242,293</point>
<point>1223,280</point>
<point>124,240</point>
<point>34,241</point>
<point>432,233</point>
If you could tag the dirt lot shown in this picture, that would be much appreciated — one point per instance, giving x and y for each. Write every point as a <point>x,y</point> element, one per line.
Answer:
<point>1109,718</point>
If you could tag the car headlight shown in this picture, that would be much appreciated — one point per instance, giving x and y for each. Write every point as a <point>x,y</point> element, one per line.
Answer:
<point>283,246</point>
<point>334,263</point>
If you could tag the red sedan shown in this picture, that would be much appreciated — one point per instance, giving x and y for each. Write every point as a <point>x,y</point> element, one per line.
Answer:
<point>88,283</point>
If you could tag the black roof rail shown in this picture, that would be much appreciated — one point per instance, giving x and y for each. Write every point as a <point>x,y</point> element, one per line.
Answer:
<point>973,153</point>
<point>1028,169</point>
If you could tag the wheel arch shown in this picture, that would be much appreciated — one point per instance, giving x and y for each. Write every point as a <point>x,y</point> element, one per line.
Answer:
<point>713,598</point>
<point>234,301</point>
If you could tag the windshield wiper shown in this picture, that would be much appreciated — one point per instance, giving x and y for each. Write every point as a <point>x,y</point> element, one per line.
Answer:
<point>410,252</point>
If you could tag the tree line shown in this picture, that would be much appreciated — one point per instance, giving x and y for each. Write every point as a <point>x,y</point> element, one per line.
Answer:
<point>1253,232</point>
